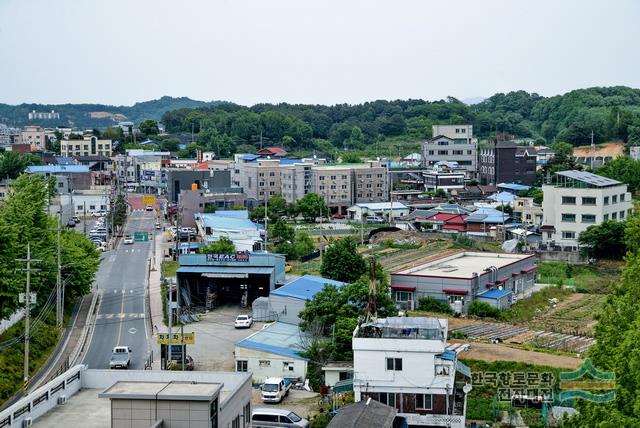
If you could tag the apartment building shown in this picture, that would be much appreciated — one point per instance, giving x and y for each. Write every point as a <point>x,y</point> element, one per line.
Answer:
<point>297,177</point>
<point>131,167</point>
<point>505,162</point>
<point>343,185</point>
<point>88,146</point>
<point>43,115</point>
<point>404,363</point>
<point>576,201</point>
<point>35,136</point>
<point>527,212</point>
<point>260,179</point>
<point>8,135</point>
<point>452,143</point>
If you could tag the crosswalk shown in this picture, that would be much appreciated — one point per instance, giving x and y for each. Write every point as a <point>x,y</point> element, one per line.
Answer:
<point>120,316</point>
<point>133,250</point>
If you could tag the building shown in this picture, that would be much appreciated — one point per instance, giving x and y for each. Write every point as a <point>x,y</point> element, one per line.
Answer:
<point>597,155</point>
<point>138,166</point>
<point>35,136</point>
<point>366,413</point>
<point>89,145</point>
<point>196,201</point>
<point>296,177</point>
<point>403,362</point>
<point>360,212</point>
<point>527,212</point>
<point>79,175</point>
<point>207,182</point>
<point>452,143</point>
<point>512,188</point>
<point>135,398</point>
<point>458,278</point>
<point>443,222</point>
<point>87,202</point>
<point>334,372</point>
<point>447,176</point>
<point>218,279</point>
<point>37,115</point>
<point>8,135</point>
<point>234,225</point>
<point>578,200</point>
<point>259,178</point>
<point>274,351</point>
<point>288,301</point>
<point>505,162</point>
<point>272,151</point>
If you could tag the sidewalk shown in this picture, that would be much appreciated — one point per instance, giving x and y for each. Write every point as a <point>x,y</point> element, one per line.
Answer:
<point>155,300</point>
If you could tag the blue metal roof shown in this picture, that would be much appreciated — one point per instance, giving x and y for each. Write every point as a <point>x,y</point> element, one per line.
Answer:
<point>487,215</point>
<point>226,269</point>
<point>503,197</point>
<point>249,157</point>
<point>224,222</point>
<point>289,161</point>
<point>513,186</point>
<point>277,338</point>
<point>463,368</point>
<point>62,160</point>
<point>232,213</point>
<point>305,287</point>
<point>56,169</point>
<point>190,246</point>
<point>495,294</point>
<point>448,355</point>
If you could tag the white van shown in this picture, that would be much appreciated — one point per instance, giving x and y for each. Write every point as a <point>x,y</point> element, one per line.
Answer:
<point>268,417</point>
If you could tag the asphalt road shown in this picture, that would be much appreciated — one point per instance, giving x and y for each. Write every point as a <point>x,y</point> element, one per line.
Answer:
<point>121,280</point>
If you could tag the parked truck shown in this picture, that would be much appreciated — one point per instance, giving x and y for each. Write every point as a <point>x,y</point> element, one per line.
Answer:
<point>274,389</point>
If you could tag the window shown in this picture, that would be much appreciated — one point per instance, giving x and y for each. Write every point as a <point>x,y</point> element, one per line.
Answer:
<point>388,398</point>
<point>272,183</point>
<point>403,296</point>
<point>458,152</point>
<point>394,364</point>
<point>431,152</point>
<point>261,174</point>
<point>442,370</point>
<point>242,365</point>
<point>569,218</point>
<point>287,366</point>
<point>321,178</point>
<point>469,152</point>
<point>443,152</point>
<point>549,235</point>
<point>344,177</point>
<point>264,363</point>
<point>614,199</point>
<point>261,183</point>
<point>614,216</point>
<point>621,197</point>
<point>606,200</point>
<point>321,187</point>
<point>424,401</point>
<point>606,217</point>
<point>265,418</point>
<point>333,186</point>
<point>621,215</point>
<point>443,143</point>
<point>333,177</point>
<point>588,218</point>
<point>588,201</point>
<point>92,207</point>
<point>236,422</point>
<point>568,200</point>
<point>272,174</point>
<point>568,235</point>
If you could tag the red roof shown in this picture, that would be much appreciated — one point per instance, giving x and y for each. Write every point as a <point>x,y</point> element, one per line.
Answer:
<point>448,218</point>
<point>460,227</point>
<point>202,166</point>
<point>529,269</point>
<point>403,288</point>
<point>271,151</point>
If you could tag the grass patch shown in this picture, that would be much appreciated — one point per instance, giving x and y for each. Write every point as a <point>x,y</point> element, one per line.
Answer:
<point>536,304</point>
<point>169,268</point>
<point>596,278</point>
<point>480,409</point>
<point>532,417</point>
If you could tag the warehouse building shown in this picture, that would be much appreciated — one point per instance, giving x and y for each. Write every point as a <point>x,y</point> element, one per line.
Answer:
<point>462,277</point>
<point>209,280</point>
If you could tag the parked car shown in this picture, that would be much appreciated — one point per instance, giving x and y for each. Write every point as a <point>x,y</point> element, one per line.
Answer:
<point>128,239</point>
<point>71,223</point>
<point>76,219</point>
<point>149,207</point>
<point>158,226</point>
<point>243,321</point>
<point>100,213</point>
<point>176,361</point>
<point>276,417</point>
<point>120,358</point>
<point>374,220</point>
<point>274,389</point>
<point>338,216</point>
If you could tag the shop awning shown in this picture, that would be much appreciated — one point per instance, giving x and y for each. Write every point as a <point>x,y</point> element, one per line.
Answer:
<point>515,274</point>
<point>529,269</point>
<point>450,291</point>
<point>503,279</point>
<point>403,288</point>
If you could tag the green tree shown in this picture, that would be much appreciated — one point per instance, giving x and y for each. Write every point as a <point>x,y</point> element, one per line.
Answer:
<point>342,262</point>
<point>482,309</point>
<point>311,206</point>
<point>430,304</point>
<point>12,164</point>
<point>221,246</point>
<point>149,128</point>
<point>604,241</point>
<point>221,144</point>
<point>350,157</point>
<point>303,244</point>
<point>623,169</point>
<point>280,231</point>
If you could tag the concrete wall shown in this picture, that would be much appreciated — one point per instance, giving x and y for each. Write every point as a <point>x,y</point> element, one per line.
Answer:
<point>287,308</point>
<point>272,364</point>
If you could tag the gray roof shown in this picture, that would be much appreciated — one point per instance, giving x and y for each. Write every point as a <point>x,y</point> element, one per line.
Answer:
<point>368,413</point>
<point>589,178</point>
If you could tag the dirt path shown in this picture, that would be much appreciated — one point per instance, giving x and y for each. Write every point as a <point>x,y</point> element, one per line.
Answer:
<point>490,352</point>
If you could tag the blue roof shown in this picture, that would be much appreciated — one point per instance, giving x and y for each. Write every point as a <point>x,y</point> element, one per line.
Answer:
<point>62,160</point>
<point>487,215</point>
<point>224,222</point>
<point>495,294</point>
<point>513,186</point>
<point>448,354</point>
<point>249,157</point>
<point>289,161</point>
<point>506,197</point>
<point>305,287</point>
<point>56,169</point>
<point>226,269</point>
<point>277,338</point>
<point>233,213</point>
<point>183,247</point>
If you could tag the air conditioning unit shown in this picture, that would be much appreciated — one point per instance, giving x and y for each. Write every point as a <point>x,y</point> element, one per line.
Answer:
<point>62,400</point>
<point>26,422</point>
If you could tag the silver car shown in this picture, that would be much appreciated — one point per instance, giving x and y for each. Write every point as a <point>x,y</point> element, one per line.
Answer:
<point>276,417</point>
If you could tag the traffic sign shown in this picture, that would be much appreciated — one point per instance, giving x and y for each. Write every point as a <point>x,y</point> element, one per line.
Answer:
<point>149,200</point>
<point>141,236</point>
<point>177,338</point>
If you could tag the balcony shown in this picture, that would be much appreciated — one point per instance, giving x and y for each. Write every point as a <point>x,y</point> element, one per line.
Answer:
<point>453,421</point>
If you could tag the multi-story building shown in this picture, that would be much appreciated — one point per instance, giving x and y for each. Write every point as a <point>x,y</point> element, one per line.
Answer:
<point>527,212</point>
<point>130,168</point>
<point>44,115</point>
<point>452,143</point>
<point>35,136</point>
<point>297,177</point>
<point>260,179</point>
<point>578,200</point>
<point>505,162</point>
<point>404,363</point>
<point>88,146</point>
<point>447,176</point>
<point>208,182</point>
<point>8,135</point>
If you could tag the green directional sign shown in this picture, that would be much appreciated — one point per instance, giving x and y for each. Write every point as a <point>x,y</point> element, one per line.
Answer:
<point>141,236</point>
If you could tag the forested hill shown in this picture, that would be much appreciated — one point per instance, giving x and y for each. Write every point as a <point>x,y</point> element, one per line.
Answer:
<point>80,115</point>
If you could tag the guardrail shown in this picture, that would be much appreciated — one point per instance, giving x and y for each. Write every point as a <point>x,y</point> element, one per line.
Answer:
<point>43,399</point>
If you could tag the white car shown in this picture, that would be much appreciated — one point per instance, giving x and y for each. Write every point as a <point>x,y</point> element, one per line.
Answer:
<point>243,321</point>
<point>128,240</point>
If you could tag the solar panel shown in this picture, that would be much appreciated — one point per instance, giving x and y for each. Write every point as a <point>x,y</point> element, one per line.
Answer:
<point>588,177</point>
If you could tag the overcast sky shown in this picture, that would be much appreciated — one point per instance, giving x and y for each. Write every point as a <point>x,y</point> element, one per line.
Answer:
<point>303,51</point>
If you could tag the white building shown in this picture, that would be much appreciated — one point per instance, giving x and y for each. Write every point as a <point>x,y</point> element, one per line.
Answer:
<point>403,363</point>
<point>35,136</point>
<point>234,225</point>
<point>452,143</point>
<point>578,200</point>
<point>273,351</point>
<point>88,146</point>
<point>359,212</point>
<point>87,202</point>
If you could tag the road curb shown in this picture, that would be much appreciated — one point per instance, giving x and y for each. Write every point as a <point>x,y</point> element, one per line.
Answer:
<point>88,326</point>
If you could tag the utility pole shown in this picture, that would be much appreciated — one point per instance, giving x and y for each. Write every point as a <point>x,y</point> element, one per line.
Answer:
<point>372,312</point>
<point>27,314</point>
<point>59,302</point>
<point>84,220</point>
<point>266,218</point>
<point>170,320</point>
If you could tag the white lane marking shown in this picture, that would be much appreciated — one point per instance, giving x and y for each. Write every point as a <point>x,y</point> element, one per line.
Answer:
<point>109,316</point>
<point>130,291</point>
<point>115,291</point>
<point>133,330</point>
<point>124,291</point>
<point>121,315</point>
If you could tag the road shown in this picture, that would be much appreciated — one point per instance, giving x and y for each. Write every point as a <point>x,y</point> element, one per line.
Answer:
<point>121,281</point>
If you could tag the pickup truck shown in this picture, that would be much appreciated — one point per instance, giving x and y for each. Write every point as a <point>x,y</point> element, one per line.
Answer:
<point>120,357</point>
<point>274,389</point>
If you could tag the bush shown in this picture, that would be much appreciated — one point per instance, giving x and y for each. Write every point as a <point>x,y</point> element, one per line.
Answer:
<point>483,309</point>
<point>430,304</point>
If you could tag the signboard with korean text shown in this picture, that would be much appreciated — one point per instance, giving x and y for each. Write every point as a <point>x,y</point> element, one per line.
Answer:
<point>177,338</point>
<point>227,258</point>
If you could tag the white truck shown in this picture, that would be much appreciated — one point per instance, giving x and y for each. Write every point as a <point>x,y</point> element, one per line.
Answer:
<point>274,389</point>
<point>120,358</point>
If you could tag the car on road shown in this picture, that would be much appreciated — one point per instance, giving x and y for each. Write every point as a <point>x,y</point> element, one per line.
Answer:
<point>120,358</point>
<point>243,321</point>
<point>100,213</point>
<point>71,223</point>
<point>276,417</point>
<point>149,207</point>
<point>158,226</point>
<point>76,219</point>
<point>128,239</point>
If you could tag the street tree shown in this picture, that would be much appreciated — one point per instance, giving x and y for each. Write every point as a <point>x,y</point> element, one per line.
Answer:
<point>342,262</point>
<point>311,206</point>
<point>221,246</point>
